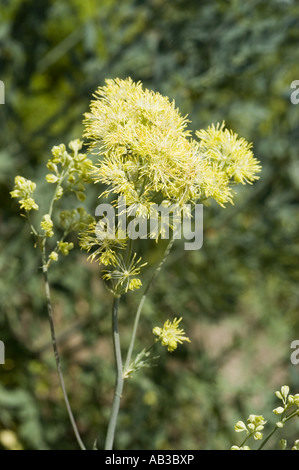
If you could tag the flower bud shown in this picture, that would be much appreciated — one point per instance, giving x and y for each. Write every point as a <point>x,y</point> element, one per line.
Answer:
<point>53,256</point>
<point>282,444</point>
<point>240,426</point>
<point>285,390</point>
<point>278,394</point>
<point>296,445</point>
<point>50,178</point>
<point>47,225</point>
<point>157,331</point>
<point>75,145</point>
<point>52,166</point>
<point>279,410</point>
<point>81,196</point>
<point>291,399</point>
<point>296,399</point>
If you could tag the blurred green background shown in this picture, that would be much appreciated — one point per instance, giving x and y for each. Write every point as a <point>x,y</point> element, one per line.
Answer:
<point>238,295</point>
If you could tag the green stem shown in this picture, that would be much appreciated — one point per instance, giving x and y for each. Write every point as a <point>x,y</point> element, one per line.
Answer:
<point>129,251</point>
<point>267,438</point>
<point>33,231</point>
<point>58,185</point>
<point>119,377</point>
<point>55,348</point>
<point>117,351</point>
<point>143,298</point>
<point>41,242</point>
<point>246,438</point>
<point>283,420</point>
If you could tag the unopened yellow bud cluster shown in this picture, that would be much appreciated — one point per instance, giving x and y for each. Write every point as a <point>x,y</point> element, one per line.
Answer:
<point>24,189</point>
<point>288,401</point>
<point>47,225</point>
<point>70,172</point>
<point>72,165</point>
<point>255,423</point>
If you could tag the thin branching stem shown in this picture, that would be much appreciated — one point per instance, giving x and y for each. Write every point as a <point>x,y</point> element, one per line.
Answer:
<point>142,300</point>
<point>119,377</point>
<point>55,348</point>
<point>284,419</point>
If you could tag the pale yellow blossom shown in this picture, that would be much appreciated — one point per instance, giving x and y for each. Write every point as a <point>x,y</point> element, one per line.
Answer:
<point>170,334</point>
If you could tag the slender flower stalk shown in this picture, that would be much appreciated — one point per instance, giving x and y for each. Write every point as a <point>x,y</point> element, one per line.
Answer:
<point>119,382</point>
<point>120,370</point>
<point>63,165</point>
<point>141,303</point>
<point>267,438</point>
<point>278,425</point>
<point>55,348</point>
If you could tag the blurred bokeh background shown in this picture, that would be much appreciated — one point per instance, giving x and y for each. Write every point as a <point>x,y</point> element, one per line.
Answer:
<point>223,60</point>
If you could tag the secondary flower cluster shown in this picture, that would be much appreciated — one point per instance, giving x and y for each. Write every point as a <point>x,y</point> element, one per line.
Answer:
<point>255,424</point>
<point>69,172</point>
<point>253,427</point>
<point>23,190</point>
<point>71,166</point>
<point>170,334</point>
<point>288,401</point>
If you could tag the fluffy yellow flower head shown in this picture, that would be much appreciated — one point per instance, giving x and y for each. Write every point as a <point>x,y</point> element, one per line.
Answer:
<point>147,157</point>
<point>229,153</point>
<point>170,335</point>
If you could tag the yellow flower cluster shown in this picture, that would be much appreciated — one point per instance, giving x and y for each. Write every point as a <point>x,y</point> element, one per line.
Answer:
<point>123,277</point>
<point>24,189</point>
<point>147,153</point>
<point>47,225</point>
<point>75,220</point>
<point>147,157</point>
<point>65,247</point>
<point>69,172</point>
<point>74,166</point>
<point>230,154</point>
<point>170,335</point>
<point>104,248</point>
<point>255,424</point>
